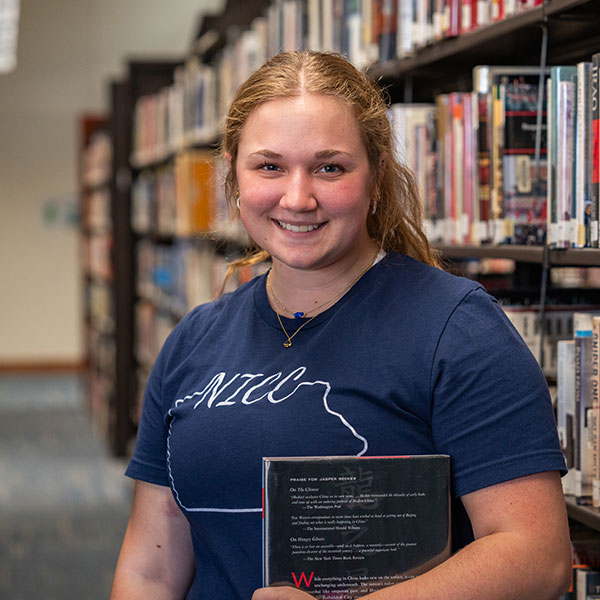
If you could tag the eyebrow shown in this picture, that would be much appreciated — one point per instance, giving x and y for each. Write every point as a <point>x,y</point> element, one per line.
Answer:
<point>320,155</point>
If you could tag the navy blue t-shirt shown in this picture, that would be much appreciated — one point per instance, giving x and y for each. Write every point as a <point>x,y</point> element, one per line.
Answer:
<point>412,360</point>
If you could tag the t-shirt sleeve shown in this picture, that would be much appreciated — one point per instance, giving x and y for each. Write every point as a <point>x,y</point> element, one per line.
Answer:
<point>491,407</point>
<point>149,460</point>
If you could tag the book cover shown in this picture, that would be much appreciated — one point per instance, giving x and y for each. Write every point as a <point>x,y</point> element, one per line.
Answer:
<point>342,527</point>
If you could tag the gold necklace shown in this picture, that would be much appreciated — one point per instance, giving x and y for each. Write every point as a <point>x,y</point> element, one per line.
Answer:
<point>338,295</point>
<point>299,314</point>
<point>288,342</point>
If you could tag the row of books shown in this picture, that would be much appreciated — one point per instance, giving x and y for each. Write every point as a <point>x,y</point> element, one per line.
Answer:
<point>96,255</point>
<point>176,277</point>
<point>558,325</point>
<point>98,298</point>
<point>178,116</point>
<point>488,172</point>
<point>190,110</point>
<point>152,326</point>
<point>100,394</point>
<point>578,407</point>
<point>184,197</point>
<point>573,143</point>
<point>102,352</point>
<point>173,279</point>
<point>575,277</point>
<point>96,160</point>
<point>480,159</point>
<point>96,210</point>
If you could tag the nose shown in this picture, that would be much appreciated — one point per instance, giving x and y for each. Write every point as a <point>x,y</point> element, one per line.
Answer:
<point>298,195</point>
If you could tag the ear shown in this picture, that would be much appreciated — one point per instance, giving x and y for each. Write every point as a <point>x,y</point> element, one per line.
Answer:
<point>228,158</point>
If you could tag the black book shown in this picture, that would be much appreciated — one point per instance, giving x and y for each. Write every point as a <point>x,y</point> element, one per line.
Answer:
<point>342,527</point>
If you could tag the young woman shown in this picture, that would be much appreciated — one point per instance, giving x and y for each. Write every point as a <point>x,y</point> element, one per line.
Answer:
<point>354,343</point>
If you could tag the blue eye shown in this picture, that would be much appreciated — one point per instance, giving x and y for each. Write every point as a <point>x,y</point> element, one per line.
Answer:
<point>331,169</point>
<point>268,167</point>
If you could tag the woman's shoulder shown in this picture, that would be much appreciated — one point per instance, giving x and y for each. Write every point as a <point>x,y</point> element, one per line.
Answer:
<point>411,275</point>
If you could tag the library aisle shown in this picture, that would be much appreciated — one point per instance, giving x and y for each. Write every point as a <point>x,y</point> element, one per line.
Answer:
<point>64,502</point>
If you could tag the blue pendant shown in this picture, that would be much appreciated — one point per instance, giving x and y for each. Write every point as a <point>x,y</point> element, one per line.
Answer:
<point>298,315</point>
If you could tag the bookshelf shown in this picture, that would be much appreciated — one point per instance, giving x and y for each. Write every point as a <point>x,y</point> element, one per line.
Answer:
<point>574,257</point>
<point>446,64</point>
<point>108,249</point>
<point>97,237</point>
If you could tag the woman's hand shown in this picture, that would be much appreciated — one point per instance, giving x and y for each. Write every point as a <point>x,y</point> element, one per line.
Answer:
<point>281,592</point>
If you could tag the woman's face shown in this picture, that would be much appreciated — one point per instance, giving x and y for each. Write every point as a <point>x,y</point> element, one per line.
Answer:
<point>305,182</point>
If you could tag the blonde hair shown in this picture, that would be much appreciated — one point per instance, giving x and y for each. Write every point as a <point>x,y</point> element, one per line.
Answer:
<point>396,224</point>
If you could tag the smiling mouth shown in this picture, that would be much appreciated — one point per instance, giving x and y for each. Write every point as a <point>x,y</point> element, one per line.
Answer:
<point>299,228</point>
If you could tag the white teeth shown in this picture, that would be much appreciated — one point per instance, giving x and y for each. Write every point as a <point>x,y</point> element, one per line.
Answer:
<point>298,228</point>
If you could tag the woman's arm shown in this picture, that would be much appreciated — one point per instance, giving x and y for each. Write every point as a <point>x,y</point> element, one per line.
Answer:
<point>157,558</point>
<point>521,549</point>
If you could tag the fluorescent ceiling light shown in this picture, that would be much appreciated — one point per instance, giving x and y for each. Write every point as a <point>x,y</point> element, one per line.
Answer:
<point>9,30</point>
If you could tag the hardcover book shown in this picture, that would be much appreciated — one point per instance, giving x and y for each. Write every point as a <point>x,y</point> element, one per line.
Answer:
<point>342,527</point>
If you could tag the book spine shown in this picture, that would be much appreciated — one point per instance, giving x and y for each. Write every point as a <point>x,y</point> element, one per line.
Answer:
<point>595,101</point>
<point>582,154</point>
<point>582,332</point>
<point>595,417</point>
<point>454,28</point>
<point>497,204</point>
<point>327,24</point>
<point>405,45</point>
<point>389,24</point>
<point>551,209</point>
<point>481,90</point>
<point>564,158</point>
<point>458,156</point>
<point>469,172</point>
<point>565,407</point>
<point>443,171</point>
<point>354,32</point>
<point>483,13</point>
<point>314,25</point>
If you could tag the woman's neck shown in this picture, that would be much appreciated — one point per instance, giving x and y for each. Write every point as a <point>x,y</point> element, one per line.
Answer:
<point>307,292</point>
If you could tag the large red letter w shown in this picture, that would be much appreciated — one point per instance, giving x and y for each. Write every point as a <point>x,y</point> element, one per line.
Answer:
<point>299,580</point>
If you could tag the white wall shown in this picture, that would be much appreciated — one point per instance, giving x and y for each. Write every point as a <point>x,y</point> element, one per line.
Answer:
<point>68,51</point>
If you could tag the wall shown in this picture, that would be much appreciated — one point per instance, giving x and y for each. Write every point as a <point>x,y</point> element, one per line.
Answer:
<point>68,51</point>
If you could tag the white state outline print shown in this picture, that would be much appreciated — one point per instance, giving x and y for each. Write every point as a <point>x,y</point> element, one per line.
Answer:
<point>215,388</point>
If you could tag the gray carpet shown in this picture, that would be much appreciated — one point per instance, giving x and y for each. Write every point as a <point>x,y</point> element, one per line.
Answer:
<point>63,501</point>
